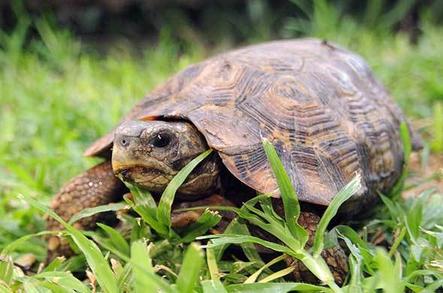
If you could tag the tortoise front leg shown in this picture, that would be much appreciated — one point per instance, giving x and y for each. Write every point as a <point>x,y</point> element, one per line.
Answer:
<point>97,186</point>
<point>181,219</point>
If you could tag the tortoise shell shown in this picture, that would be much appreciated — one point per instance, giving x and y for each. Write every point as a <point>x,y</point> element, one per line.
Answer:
<point>317,103</point>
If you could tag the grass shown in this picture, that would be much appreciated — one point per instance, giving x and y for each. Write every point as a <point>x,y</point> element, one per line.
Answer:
<point>57,96</point>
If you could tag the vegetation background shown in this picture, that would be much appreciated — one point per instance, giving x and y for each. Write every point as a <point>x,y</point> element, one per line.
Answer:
<point>69,71</point>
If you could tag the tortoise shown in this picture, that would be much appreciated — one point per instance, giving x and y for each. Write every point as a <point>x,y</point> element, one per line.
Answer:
<point>318,104</point>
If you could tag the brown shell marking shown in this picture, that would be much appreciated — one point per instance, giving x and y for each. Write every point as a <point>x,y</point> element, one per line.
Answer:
<point>318,104</point>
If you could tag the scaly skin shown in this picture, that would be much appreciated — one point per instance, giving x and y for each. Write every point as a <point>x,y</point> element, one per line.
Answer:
<point>97,186</point>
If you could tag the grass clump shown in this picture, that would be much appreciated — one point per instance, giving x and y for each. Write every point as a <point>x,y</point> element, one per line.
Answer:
<point>293,236</point>
<point>148,263</point>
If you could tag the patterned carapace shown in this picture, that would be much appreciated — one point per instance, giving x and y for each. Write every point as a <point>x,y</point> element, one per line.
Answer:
<point>317,103</point>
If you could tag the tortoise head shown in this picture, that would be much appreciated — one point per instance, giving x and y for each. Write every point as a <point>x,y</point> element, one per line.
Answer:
<point>150,153</point>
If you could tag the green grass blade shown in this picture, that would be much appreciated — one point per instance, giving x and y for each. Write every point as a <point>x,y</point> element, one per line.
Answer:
<point>17,242</point>
<point>397,241</point>
<point>249,249</point>
<point>116,238</point>
<point>141,197</point>
<point>65,280</point>
<point>395,212</point>
<point>271,225</point>
<point>6,271</point>
<point>106,245</point>
<point>352,235</point>
<point>98,264</point>
<point>414,218</point>
<point>213,286</point>
<point>435,286</point>
<point>112,207</point>
<point>253,278</point>
<point>55,265</point>
<point>389,279</point>
<point>407,149</point>
<point>206,221</point>
<point>4,288</point>
<point>277,275</point>
<point>268,209</point>
<point>344,194</point>
<point>437,141</point>
<point>144,205</point>
<point>359,248</point>
<point>190,270</point>
<point>287,192</point>
<point>223,239</point>
<point>145,280</point>
<point>355,272</point>
<point>276,288</point>
<point>318,266</point>
<point>212,264</point>
<point>406,142</point>
<point>164,206</point>
<point>124,278</point>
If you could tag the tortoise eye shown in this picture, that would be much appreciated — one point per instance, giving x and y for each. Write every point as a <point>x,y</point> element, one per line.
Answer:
<point>161,140</point>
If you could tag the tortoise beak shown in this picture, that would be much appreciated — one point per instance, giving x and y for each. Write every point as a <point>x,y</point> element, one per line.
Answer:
<point>121,163</point>
<point>126,137</point>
